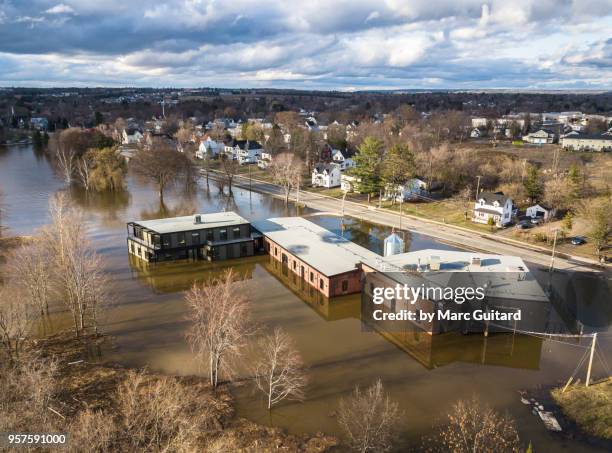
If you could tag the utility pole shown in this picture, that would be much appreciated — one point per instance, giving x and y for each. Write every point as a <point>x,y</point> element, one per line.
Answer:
<point>401,202</point>
<point>552,258</point>
<point>588,376</point>
<point>478,187</point>
<point>250,180</point>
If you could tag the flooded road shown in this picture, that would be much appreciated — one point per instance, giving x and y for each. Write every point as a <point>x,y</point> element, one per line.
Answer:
<point>424,374</point>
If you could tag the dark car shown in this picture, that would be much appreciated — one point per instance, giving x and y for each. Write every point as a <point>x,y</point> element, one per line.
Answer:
<point>537,220</point>
<point>523,225</point>
<point>578,240</point>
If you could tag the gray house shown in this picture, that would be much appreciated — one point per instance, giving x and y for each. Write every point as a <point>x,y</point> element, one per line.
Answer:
<point>212,237</point>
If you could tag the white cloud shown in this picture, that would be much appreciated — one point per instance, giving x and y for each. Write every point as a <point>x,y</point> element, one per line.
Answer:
<point>60,8</point>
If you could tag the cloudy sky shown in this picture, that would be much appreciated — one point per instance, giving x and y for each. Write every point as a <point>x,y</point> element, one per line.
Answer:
<point>330,44</point>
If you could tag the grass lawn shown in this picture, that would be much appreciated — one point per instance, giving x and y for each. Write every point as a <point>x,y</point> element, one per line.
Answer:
<point>590,407</point>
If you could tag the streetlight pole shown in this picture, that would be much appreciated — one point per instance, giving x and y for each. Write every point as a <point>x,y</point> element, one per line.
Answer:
<point>552,258</point>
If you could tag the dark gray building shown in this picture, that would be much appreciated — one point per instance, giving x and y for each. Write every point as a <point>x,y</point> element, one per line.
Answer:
<point>212,237</point>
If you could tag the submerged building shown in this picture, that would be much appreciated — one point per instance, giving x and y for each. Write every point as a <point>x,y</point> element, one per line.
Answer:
<point>212,237</point>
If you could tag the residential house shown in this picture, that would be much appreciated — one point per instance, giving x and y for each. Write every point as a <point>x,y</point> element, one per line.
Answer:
<point>131,136</point>
<point>264,160</point>
<point>40,123</point>
<point>493,205</point>
<point>414,188</point>
<point>208,144</point>
<point>587,142</point>
<point>326,175</point>
<point>540,137</point>
<point>343,158</point>
<point>244,151</point>
<point>540,211</point>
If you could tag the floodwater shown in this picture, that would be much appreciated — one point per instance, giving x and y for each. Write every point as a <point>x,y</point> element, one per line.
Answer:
<point>424,374</point>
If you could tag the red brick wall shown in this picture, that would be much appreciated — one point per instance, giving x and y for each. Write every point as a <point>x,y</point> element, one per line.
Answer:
<point>328,286</point>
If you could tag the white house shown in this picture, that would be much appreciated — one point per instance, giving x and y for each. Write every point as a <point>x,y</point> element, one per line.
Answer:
<point>131,136</point>
<point>264,160</point>
<point>343,159</point>
<point>245,151</point>
<point>208,144</point>
<point>493,205</point>
<point>413,188</point>
<point>539,211</point>
<point>540,137</point>
<point>326,175</point>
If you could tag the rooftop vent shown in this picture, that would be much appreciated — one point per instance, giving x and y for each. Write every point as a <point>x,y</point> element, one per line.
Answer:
<point>197,219</point>
<point>475,261</point>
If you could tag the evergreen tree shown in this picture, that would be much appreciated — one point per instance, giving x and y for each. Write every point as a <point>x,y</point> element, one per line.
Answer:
<point>397,167</point>
<point>533,184</point>
<point>367,166</point>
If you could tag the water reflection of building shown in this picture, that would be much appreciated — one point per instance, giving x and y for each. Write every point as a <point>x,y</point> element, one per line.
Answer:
<point>329,309</point>
<point>431,351</point>
<point>176,276</point>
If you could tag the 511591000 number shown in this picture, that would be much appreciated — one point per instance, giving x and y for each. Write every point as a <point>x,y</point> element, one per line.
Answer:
<point>30,439</point>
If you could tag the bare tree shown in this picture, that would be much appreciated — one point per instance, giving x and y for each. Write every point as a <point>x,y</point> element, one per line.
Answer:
<point>369,419</point>
<point>27,388</point>
<point>475,427</point>
<point>279,373</point>
<point>286,170</point>
<point>30,267</point>
<point>162,166</point>
<point>155,415</point>
<point>92,431</point>
<point>229,166</point>
<point>66,163</point>
<point>219,311</point>
<point>80,281</point>
<point>14,321</point>
<point>83,168</point>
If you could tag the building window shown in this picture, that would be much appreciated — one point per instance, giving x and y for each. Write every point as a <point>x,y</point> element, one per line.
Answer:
<point>180,238</point>
<point>311,277</point>
<point>195,238</point>
<point>132,247</point>
<point>275,251</point>
<point>209,235</point>
<point>344,285</point>
<point>294,265</point>
<point>236,232</point>
<point>321,283</point>
<point>223,235</point>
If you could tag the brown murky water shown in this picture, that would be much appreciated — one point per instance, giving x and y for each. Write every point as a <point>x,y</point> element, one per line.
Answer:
<point>425,375</point>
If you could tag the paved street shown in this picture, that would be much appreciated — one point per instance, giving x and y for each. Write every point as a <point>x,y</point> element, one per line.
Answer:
<point>455,236</point>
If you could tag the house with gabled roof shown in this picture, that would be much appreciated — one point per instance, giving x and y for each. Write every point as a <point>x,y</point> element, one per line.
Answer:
<point>496,206</point>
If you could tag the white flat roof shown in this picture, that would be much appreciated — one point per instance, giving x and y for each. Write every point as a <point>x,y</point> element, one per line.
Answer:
<point>327,252</point>
<point>505,276</point>
<point>187,223</point>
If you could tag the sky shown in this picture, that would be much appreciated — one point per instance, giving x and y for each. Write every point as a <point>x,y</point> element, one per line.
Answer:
<point>332,44</point>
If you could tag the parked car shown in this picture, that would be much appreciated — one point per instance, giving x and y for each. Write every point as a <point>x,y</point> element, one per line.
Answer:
<point>536,220</point>
<point>523,225</point>
<point>578,240</point>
